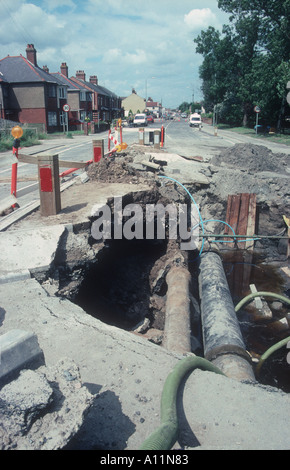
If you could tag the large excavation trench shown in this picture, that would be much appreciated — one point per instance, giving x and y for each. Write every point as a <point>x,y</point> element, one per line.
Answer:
<point>125,283</point>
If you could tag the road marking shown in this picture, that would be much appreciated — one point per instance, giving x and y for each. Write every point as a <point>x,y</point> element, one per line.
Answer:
<point>9,169</point>
<point>26,189</point>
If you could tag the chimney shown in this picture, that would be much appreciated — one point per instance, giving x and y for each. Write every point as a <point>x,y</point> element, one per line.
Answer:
<point>45,68</point>
<point>80,74</point>
<point>31,54</point>
<point>94,79</point>
<point>64,69</point>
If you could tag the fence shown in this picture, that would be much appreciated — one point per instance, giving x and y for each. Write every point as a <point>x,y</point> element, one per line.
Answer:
<point>6,125</point>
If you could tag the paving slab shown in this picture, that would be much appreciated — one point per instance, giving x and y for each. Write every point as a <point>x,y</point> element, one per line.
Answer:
<point>27,250</point>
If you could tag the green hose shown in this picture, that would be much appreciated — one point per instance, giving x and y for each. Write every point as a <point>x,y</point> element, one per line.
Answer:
<point>261,294</point>
<point>276,346</point>
<point>270,351</point>
<point>164,437</point>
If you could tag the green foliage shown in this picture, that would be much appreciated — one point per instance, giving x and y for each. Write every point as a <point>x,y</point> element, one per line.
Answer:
<point>185,107</point>
<point>248,63</point>
<point>28,139</point>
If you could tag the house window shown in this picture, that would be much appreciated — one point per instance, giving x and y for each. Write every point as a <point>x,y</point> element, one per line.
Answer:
<point>62,92</point>
<point>52,91</point>
<point>83,96</point>
<point>52,118</point>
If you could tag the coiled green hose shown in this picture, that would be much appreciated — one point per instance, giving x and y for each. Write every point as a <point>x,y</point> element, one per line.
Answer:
<point>164,437</point>
<point>261,294</point>
<point>276,346</point>
<point>270,351</point>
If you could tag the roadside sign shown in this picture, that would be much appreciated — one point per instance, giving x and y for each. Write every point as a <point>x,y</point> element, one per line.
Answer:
<point>66,108</point>
<point>257,109</point>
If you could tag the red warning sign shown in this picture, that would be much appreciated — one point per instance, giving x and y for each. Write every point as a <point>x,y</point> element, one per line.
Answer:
<point>45,179</point>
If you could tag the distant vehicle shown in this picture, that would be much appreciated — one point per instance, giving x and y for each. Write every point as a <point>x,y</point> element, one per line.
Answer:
<point>140,120</point>
<point>195,120</point>
<point>150,118</point>
<point>183,115</point>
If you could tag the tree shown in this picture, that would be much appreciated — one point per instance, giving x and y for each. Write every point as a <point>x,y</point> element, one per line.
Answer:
<point>248,63</point>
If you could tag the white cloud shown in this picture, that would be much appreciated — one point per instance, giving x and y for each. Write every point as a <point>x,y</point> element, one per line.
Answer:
<point>123,42</point>
<point>200,18</point>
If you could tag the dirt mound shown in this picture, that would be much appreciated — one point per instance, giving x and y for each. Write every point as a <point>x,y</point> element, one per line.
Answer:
<point>117,169</point>
<point>252,158</point>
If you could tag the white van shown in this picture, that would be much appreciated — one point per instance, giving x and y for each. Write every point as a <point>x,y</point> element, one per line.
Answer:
<point>140,120</point>
<point>195,120</point>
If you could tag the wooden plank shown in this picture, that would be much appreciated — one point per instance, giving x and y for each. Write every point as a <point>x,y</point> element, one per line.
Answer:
<point>27,158</point>
<point>251,221</point>
<point>229,207</point>
<point>260,304</point>
<point>61,163</point>
<point>243,217</point>
<point>233,215</point>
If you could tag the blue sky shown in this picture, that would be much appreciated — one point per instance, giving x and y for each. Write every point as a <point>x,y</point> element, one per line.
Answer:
<point>126,43</point>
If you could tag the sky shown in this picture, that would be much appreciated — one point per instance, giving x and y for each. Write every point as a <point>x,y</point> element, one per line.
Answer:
<point>145,45</point>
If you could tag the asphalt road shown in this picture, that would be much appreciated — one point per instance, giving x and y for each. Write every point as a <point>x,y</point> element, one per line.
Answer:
<point>179,138</point>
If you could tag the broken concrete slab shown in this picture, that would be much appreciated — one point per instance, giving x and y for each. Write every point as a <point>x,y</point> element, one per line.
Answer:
<point>18,350</point>
<point>28,249</point>
<point>43,409</point>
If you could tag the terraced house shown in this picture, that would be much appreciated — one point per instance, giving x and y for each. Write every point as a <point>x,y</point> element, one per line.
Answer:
<point>30,94</point>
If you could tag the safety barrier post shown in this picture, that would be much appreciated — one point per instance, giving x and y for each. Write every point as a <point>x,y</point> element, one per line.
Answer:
<point>109,140</point>
<point>17,133</point>
<point>98,150</point>
<point>49,184</point>
<point>141,136</point>
<point>121,133</point>
<point>162,138</point>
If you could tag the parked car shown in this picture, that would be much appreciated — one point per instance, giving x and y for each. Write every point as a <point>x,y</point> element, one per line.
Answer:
<point>140,120</point>
<point>150,118</point>
<point>195,120</point>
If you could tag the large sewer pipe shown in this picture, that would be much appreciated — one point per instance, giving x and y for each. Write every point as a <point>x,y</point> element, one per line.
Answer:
<point>177,330</point>
<point>222,338</point>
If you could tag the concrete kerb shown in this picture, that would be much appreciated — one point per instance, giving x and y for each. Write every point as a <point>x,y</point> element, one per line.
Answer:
<point>18,350</point>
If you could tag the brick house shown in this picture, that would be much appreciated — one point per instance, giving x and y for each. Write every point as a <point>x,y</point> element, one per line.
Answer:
<point>79,98</point>
<point>30,94</point>
<point>106,105</point>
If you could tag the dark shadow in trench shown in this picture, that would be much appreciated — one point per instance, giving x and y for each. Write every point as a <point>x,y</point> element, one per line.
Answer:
<point>116,289</point>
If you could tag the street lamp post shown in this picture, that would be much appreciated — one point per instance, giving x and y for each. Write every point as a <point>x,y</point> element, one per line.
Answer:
<point>151,78</point>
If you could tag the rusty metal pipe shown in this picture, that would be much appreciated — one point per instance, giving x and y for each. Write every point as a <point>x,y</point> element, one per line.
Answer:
<point>177,330</point>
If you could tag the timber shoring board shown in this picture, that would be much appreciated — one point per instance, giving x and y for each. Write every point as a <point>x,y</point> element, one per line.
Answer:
<point>241,216</point>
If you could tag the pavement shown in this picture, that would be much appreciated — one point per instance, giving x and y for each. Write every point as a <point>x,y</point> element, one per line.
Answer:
<point>124,371</point>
